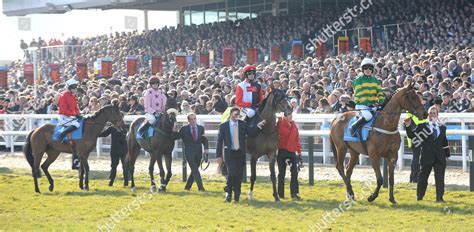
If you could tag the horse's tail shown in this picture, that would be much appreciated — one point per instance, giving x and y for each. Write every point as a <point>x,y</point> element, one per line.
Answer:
<point>29,153</point>
<point>333,145</point>
<point>334,150</point>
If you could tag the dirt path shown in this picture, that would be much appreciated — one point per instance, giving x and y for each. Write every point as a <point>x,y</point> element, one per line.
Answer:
<point>454,176</point>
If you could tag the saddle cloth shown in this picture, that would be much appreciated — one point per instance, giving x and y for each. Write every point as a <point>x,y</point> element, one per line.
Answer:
<point>76,134</point>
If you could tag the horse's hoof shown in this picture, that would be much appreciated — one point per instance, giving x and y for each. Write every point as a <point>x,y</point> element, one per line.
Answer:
<point>111,184</point>
<point>37,191</point>
<point>153,189</point>
<point>393,201</point>
<point>86,188</point>
<point>371,198</point>
<point>81,187</point>
<point>162,189</point>
<point>51,187</point>
<point>350,197</point>
<point>250,195</point>
<point>277,199</point>
<point>133,190</point>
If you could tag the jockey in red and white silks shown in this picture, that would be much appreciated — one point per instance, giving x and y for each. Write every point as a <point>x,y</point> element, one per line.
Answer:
<point>249,93</point>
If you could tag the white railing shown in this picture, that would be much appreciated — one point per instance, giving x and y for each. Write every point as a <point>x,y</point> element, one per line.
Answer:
<point>17,126</point>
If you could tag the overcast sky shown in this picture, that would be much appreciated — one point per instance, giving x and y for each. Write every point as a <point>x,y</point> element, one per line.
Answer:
<point>81,23</point>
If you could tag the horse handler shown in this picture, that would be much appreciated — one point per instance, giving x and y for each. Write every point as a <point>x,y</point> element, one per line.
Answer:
<point>288,148</point>
<point>193,139</point>
<point>434,152</point>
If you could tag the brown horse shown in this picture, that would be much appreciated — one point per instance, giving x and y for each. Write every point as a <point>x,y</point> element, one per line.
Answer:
<point>383,141</point>
<point>266,142</point>
<point>161,144</point>
<point>40,140</point>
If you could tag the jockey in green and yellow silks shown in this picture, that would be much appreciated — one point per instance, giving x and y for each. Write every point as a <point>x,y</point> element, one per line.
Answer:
<point>367,92</point>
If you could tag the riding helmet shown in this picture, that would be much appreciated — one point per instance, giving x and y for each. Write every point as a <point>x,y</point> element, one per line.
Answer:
<point>248,69</point>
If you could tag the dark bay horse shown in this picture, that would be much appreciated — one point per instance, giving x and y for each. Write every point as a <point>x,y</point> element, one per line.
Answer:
<point>383,141</point>
<point>40,140</point>
<point>266,142</point>
<point>161,144</point>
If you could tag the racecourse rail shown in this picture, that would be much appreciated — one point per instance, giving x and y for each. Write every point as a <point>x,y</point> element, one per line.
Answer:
<point>314,134</point>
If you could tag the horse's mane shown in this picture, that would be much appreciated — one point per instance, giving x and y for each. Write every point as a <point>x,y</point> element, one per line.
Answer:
<point>266,101</point>
<point>97,113</point>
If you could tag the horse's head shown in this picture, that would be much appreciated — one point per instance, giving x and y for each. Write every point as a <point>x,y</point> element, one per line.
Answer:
<point>114,115</point>
<point>170,117</point>
<point>280,100</point>
<point>409,101</point>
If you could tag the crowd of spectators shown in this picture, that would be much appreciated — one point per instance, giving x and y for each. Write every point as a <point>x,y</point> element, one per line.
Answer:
<point>433,45</point>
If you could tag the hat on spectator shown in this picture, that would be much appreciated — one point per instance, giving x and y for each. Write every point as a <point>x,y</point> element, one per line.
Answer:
<point>72,83</point>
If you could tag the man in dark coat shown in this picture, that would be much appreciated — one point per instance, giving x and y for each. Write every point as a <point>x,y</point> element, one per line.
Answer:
<point>118,150</point>
<point>231,142</point>
<point>431,137</point>
<point>193,139</point>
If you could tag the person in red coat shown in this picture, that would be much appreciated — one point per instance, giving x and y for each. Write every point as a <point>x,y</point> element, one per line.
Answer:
<point>69,113</point>
<point>289,148</point>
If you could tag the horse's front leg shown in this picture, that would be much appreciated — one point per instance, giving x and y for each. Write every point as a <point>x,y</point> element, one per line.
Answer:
<point>391,169</point>
<point>162,172</point>
<point>253,175</point>
<point>151,169</point>
<point>168,160</point>
<point>273,176</point>
<point>81,173</point>
<point>86,172</point>
<point>376,166</point>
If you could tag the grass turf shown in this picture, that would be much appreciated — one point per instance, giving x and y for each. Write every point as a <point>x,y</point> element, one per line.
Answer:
<point>323,206</point>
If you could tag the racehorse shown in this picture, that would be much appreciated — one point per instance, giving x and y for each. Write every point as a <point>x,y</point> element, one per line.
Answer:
<point>40,140</point>
<point>159,145</point>
<point>383,140</point>
<point>266,142</point>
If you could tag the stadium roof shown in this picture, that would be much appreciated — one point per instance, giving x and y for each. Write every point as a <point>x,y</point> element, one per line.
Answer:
<point>25,7</point>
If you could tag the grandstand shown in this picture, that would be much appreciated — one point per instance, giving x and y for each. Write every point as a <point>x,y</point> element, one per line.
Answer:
<point>201,58</point>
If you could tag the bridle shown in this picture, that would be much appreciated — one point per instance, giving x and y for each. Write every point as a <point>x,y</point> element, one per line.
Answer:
<point>273,105</point>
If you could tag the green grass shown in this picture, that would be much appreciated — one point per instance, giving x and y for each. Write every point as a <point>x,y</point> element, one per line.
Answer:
<point>69,208</point>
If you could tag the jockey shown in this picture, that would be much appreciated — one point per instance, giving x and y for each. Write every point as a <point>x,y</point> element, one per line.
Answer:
<point>248,94</point>
<point>68,109</point>
<point>155,103</point>
<point>367,92</point>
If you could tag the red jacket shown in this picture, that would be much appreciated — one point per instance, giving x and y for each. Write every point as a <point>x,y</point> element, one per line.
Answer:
<point>68,104</point>
<point>288,136</point>
<point>248,94</point>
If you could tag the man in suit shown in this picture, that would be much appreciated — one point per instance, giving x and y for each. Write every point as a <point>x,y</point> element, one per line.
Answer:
<point>193,139</point>
<point>231,141</point>
<point>434,151</point>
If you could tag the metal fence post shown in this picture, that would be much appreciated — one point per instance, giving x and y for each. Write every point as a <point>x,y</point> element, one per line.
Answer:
<point>385,173</point>
<point>311,160</point>
<point>401,150</point>
<point>185,167</point>
<point>244,173</point>
<point>471,176</point>
<point>99,147</point>
<point>464,148</point>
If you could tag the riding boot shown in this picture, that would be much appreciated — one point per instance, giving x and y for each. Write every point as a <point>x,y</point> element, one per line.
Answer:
<point>357,125</point>
<point>65,132</point>
<point>143,129</point>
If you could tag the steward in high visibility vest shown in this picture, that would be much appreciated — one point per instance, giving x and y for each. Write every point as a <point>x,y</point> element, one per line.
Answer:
<point>416,121</point>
